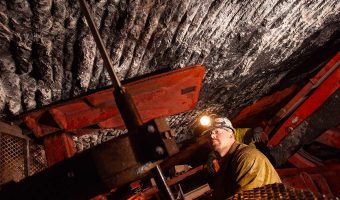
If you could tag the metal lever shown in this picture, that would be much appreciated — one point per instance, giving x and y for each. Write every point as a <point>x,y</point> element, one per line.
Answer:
<point>161,184</point>
<point>100,45</point>
<point>124,101</point>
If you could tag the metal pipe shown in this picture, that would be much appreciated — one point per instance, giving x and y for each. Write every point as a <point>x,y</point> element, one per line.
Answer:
<point>161,183</point>
<point>107,62</point>
<point>124,101</point>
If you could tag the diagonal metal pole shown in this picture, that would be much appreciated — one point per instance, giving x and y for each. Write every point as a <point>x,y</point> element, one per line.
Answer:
<point>124,101</point>
<point>107,62</point>
<point>161,183</point>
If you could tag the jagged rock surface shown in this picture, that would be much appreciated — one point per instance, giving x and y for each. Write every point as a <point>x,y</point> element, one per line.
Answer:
<point>248,47</point>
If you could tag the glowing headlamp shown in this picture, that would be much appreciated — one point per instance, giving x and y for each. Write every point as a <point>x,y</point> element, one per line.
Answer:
<point>205,120</point>
<point>208,122</point>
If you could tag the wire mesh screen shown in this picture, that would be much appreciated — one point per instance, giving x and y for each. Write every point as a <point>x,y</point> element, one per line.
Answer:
<point>15,161</point>
<point>276,191</point>
<point>12,158</point>
<point>37,159</point>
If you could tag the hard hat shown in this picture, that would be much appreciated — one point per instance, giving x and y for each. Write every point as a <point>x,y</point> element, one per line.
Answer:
<point>208,123</point>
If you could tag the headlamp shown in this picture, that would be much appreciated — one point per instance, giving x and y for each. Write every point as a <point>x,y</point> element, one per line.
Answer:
<point>205,121</point>
<point>208,122</point>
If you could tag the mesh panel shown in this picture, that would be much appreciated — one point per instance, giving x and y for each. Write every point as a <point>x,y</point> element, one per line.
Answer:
<point>276,191</point>
<point>12,158</point>
<point>37,158</point>
<point>13,164</point>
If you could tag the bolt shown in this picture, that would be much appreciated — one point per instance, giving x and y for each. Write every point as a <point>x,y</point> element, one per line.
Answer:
<point>159,150</point>
<point>290,129</point>
<point>167,135</point>
<point>70,174</point>
<point>173,133</point>
<point>295,119</point>
<point>151,128</point>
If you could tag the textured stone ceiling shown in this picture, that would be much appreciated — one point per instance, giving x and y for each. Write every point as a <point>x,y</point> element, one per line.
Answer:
<point>248,47</point>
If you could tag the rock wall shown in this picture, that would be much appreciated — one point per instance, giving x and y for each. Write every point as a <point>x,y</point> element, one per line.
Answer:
<point>248,47</point>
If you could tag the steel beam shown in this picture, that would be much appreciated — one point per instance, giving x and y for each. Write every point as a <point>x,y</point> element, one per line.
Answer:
<point>331,137</point>
<point>306,132</point>
<point>319,96</point>
<point>330,68</point>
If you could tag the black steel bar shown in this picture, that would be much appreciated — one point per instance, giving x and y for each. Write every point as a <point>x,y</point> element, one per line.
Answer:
<point>127,110</point>
<point>161,184</point>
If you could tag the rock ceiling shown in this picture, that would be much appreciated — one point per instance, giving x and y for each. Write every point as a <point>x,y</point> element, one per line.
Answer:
<point>249,48</point>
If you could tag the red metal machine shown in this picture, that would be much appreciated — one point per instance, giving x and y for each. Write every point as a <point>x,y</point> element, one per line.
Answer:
<point>306,171</point>
<point>322,86</point>
<point>114,163</point>
<point>141,104</point>
<point>312,116</point>
<point>155,97</point>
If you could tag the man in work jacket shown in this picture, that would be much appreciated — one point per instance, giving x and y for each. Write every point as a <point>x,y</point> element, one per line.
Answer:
<point>242,167</point>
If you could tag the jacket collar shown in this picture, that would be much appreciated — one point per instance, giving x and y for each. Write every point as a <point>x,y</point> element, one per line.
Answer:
<point>230,152</point>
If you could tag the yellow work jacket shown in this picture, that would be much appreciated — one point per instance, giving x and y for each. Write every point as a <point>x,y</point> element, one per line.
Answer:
<point>243,168</point>
<point>242,135</point>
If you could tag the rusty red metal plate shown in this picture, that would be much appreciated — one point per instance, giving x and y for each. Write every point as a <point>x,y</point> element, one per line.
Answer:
<point>155,96</point>
<point>331,138</point>
<point>58,147</point>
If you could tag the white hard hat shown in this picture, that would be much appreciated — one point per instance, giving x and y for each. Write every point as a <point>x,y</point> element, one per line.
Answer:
<point>219,122</point>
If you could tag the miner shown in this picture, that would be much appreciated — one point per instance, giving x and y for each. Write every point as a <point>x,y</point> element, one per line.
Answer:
<point>242,167</point>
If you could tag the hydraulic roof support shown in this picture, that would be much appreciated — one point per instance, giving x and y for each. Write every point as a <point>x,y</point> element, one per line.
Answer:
<point>119,161</point>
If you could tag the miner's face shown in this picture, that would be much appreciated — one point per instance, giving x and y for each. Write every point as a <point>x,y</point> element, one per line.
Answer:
<point>219,138</point>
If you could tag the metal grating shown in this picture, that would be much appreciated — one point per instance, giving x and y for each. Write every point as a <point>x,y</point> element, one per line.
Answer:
<point>12,158</point>
<point>15,161</point>
<point>37,157</point>
<point>276,191</point>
